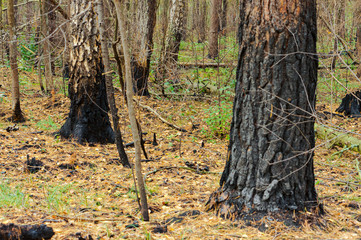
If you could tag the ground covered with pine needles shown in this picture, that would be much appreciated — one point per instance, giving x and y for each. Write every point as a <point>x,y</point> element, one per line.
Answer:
<point>82,191</point>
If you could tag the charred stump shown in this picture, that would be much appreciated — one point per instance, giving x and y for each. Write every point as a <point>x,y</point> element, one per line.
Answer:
<point>25,232</point>
<point>351,105</point>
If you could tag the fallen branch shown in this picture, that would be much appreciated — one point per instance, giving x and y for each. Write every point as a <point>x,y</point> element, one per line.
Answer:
<point>206,65</point>
<point>179,167</point>
<point>160,117</point>
<point>338,139</point>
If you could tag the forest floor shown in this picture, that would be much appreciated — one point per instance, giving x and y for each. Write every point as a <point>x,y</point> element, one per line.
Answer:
<point>82,190</point>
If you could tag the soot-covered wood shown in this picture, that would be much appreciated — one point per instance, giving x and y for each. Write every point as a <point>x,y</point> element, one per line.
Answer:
<point>88,119</point>
<point>351,104</point>
<point>25,232</point>
<point>270,160</point>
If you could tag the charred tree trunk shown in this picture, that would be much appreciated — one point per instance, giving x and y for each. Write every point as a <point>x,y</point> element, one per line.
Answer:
<point>175,30</point>
<point>357,22</point>
<point>17,115</point>
<point>143,45</point>
<point>270,163</point>
<point>214,30</point>
<point>88,119</point>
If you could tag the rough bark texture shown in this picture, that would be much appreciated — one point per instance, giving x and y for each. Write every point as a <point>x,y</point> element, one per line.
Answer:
<point>270,160</point>
<point>175,31</point>
<point>357,22</point>
<point>17,115</point>
<point>224,16</point>
<point>213,32</point>
<point>109,85</point>
<point>143,45</point>
<point>88,119</point>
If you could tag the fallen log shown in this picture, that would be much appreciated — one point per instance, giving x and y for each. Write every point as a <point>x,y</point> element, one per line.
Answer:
<point>338,139</point>
<point>25,232</point>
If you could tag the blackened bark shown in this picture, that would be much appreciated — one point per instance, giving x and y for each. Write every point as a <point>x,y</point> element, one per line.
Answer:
<point>143,48</point>
<point>25,232</point>
<point>270,162</point>
<point>88,119</point>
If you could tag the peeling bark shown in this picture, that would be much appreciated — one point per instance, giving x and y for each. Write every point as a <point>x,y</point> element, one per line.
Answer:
<point>270,160</point>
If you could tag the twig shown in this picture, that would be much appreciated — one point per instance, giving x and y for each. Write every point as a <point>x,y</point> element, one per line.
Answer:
<point>89,219</point>
<point>337,180</point>
<point>160,117</point>
<point>178,167</point>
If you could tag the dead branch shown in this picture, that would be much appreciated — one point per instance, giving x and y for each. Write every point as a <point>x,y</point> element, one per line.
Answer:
<point>160,117</point>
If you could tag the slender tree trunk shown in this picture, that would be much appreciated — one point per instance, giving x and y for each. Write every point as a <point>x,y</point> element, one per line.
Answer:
<point>53,36</point>
<point>357,21</point>
<point>17,115</point>
<point>224,17</point>
<point>202,22</point>
<point>214,30</point>
<point>88,119</point>
<point>270,160</point>
<point>49,85</point>
<point>109,85</point>
<point>133,121</point>
<point>143,45</point>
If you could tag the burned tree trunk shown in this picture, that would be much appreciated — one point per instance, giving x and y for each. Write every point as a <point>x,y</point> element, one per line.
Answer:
<point>143,45</point>
<point>351,104</point>
<point>17,115</point>
<point>270,161</point>
<point>88,119</point>
<point>169,56</point>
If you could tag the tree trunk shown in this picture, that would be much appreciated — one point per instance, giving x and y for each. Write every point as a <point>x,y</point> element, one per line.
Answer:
<point>270,160</point>
<point>357,21</point>
<point>224,16</point>
<point>88,119</point>
<point>109,85</point>
<point>175,31</point>
<point>143,44</point>
<point>132,118</point>
<point>49,85</point>
<point>202,21</point>
<point>17,115</point>
<point>213,33</point>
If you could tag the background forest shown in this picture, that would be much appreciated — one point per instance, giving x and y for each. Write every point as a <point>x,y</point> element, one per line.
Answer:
<point>183,56</point>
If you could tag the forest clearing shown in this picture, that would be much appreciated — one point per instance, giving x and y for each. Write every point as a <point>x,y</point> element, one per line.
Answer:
<point>238,143</point>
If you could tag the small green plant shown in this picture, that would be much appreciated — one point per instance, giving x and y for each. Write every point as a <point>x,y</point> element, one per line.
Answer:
<point>12,196</point>
<point>218,120</point>
<point>56,196</point>
<point>47,124</point>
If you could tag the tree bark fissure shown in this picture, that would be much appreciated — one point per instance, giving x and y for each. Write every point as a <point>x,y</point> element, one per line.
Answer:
<point>88,119</point>
<point>270,160</point>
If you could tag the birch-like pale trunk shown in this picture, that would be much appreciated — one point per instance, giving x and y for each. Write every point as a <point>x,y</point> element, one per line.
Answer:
<point>133,121</point>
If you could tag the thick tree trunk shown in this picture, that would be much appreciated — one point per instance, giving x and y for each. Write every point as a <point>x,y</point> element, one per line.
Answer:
<point>88,119</point>
<point>17,115</point>
<point>143,45</point>
<point>109,84</point>
<point>214,30</point>
<point>270,163</point>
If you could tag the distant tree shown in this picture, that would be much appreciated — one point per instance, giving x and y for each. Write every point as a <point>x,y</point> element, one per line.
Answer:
<point>272,139</point>
<point>17,115</point>
<point>169,56</point>
<point>214,30</point>
<point>143,44</point>
<point>357,22</point>
<point>224,16</point>
<point>88,119</point>
<point>49,84</point>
